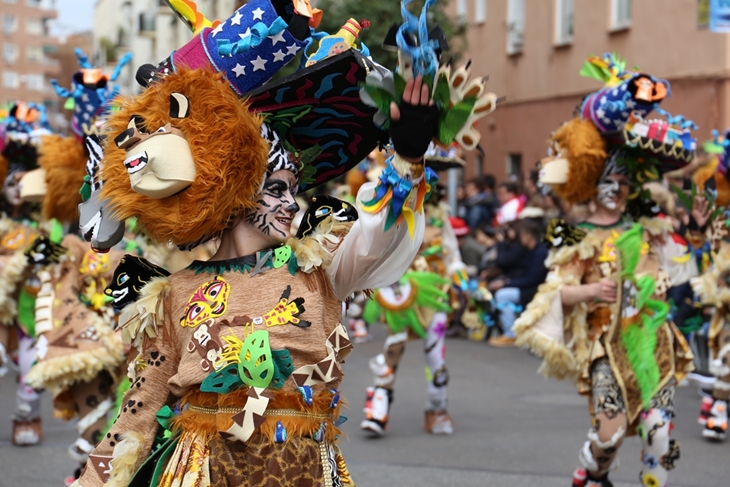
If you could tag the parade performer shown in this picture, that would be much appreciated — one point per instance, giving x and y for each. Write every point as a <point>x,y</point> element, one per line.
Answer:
<point>712,289</point>
<point>417,306</point>
<point>18,228</point>
<point>79,356</point>
<point>239,356</point>
<point>599,319</point>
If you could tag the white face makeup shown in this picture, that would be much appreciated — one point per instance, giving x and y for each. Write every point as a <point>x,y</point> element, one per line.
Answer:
<point>11,190</point>
<point>611,192</point>
<point>276,206</point>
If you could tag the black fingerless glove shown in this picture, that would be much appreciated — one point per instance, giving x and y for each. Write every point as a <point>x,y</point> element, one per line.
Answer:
<point>414,130</point>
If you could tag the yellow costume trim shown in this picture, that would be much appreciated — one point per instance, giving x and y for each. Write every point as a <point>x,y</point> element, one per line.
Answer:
<point>141,318</point>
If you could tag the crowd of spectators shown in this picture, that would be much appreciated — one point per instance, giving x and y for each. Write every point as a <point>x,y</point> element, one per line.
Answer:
<point>500,230</point>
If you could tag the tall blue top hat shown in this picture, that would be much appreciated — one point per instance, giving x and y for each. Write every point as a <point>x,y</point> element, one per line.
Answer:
<point>625,92</point>
<point>90,93</point>
<point>249,47</point>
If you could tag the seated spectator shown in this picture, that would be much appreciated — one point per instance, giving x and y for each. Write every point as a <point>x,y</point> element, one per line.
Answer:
<point>512,204</point>
<point>471,250</point>
<point>486,236</point>
<point>513,292</point>
<point>477,207</point>
<point>510,255</point>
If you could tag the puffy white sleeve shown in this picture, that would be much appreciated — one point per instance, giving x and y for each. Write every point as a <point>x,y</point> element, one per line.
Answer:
<point>370,256</point>
<point>452,255</point>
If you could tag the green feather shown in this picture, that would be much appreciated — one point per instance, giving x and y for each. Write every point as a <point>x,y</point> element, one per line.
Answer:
<point>629,247</point>
<point>372,312</point>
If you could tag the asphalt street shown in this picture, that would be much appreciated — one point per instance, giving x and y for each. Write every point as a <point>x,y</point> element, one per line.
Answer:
<point>513,428</point>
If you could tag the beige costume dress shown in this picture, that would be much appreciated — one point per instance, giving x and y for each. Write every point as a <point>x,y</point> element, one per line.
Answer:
<point>246,354</point>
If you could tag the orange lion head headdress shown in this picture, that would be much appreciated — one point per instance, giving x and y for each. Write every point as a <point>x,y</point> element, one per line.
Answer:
<point>63,160</point>
<point>183,157</point>
<point>578,162</point>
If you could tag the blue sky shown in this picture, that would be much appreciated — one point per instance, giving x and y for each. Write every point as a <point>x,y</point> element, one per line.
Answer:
<point>74,16</point>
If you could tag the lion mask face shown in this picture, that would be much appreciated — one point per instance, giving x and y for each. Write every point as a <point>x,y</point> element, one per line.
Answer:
<point>159,163</point>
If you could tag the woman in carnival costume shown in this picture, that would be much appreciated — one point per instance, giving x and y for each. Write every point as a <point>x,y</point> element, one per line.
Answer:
<point>712,289</point>
<point>239,357</point>
<point>599,319</point>
<point>79,356</point>
<point>22,130</point>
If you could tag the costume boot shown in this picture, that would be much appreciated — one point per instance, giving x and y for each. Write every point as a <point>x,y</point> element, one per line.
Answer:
<point>377,405</point>
<point>716,423</point>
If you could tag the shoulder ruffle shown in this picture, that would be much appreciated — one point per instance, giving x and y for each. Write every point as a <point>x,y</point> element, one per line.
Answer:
<point>142,318</point>
<point>656,226</point>
<point>316,249</point>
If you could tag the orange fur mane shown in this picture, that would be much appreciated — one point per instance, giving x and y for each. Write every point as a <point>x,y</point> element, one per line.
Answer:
<point>229,153</point>
<point>64,161</point>
<point>583,146</point>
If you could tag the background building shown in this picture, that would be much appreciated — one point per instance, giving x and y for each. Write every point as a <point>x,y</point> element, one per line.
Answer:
<point>148,29</point>
<point>533,50</point>
<point>27,63</point>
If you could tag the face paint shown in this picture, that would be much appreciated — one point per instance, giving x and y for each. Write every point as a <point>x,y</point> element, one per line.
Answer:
<point>608,190</point>
<point>11,190</point>
<point>276,206</point>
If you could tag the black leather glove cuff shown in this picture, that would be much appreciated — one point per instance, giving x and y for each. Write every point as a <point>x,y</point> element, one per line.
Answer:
<point>414,130</point>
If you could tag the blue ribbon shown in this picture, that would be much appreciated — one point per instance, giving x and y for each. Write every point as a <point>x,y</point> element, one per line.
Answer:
<point>122,62</point>
<point>83,59</point>
<point>425,61</point>
<point>679,120</point>
<point>259,32</point>
<point>313,36</point>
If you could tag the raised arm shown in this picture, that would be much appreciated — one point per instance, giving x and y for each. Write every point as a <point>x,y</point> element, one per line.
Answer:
<point>384,241</point>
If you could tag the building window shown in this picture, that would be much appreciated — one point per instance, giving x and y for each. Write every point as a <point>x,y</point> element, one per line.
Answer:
<point>10,53</point>
<point>34,54</point>
<point>620,14</point>
<point>35,82</point>
<point>515,26</point>
<point>461,10</point>
<point>10,24</point>
<point>479,165</point>
<point>34,27</point>
<point>514,164</point>
<point>10,79</point>
<point>564,10</point>
<point>480,11</point>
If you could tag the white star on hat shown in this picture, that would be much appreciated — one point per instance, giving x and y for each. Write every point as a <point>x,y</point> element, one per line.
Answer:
<point>245,34</point>
<point>218,29</point>
<point>279,56</point>
<point>239,70</point>
<point>293,49</point>
<point>258,14</point>
<point>259,64</point>
<point>85,98</point>
<point>275,39</point>
<point>236,19</point>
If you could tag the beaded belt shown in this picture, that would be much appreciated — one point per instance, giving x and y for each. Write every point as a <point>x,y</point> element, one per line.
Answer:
<point>269,412</point>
